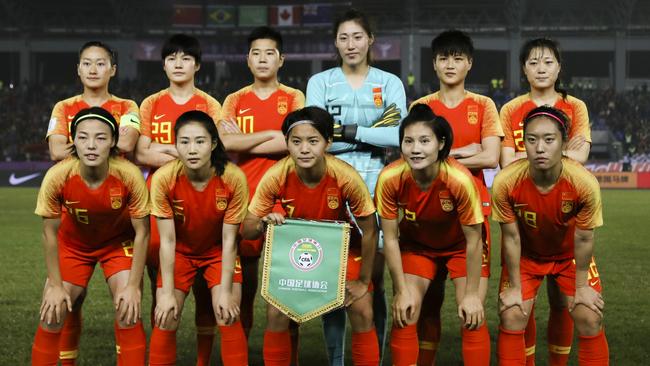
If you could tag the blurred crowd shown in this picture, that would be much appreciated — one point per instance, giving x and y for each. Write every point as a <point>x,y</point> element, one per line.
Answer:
<point>25,112</point>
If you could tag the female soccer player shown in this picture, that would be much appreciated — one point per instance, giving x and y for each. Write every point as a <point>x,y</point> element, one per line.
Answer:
<point>181,57</point>
<point>314,185</point>
<point>95,209</point>
<point>477,140</point>
<point>367,105</point>
<point>548,207</point>
<point>431,216</point>
<point>97,65</point>
<point>541,63</point>
<point>199,201</point>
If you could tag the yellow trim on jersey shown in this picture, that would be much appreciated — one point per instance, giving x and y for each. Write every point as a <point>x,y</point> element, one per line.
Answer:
<point>467,182</point>
<point>385,177</point>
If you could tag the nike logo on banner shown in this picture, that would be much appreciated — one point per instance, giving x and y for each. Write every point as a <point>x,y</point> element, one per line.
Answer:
<point>14,181</point>
<point>157,117</point>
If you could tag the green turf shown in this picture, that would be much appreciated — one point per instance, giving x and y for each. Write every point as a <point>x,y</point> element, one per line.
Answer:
<point>621,248</point>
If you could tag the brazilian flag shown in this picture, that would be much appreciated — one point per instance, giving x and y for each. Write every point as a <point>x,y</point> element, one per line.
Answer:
<point>221,16</point>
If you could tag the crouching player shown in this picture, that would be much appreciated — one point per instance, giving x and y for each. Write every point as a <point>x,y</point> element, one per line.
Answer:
<point>199,201</point>
<point>431,215</point>
<point>548,207</point>
<point>105,220</point>
<point>314,185</point>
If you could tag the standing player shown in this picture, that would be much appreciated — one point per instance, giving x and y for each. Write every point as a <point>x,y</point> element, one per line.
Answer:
<point>251,119</point>
<point>95,208</point>
<point>181,56</point>
<point>431,216</point>
<point>314,185</point>
<point>367,105</point>
<point>548,208</point>
<point>97,65</point>
<point>541,62</point>
<point>477,136</point>
<point>199,202</point>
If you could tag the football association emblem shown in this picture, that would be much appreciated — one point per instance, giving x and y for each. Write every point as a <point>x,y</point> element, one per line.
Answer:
<point>222,200</point>
<point>306,254</point>
<point>446,204</point>
<point>376,97</point>
<point>472,114</point>
<point>116,202</point>
<point>567,206</point>
<point>283,105</point>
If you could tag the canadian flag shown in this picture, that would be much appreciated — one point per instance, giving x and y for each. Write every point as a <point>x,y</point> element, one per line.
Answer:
<point>285,15</point>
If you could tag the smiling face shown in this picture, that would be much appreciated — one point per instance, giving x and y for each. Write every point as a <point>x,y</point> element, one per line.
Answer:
<point>93,142</point>
<point>307,147</point>
<point>544,144</point>
<point>353,44</point>
<point>95,69</point>
<point>194,145</point>
<point>541,68</point>
<point>420,146</point>
<point>452,69</point>
<point>264,59</point>
<point>180,68</point>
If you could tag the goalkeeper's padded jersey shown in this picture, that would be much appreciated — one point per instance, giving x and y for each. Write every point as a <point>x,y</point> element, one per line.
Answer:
<point>330,90</point>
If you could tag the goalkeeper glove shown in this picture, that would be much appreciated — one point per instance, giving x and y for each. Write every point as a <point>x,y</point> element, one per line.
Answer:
<point>347,133</point>
<point>390,117</point>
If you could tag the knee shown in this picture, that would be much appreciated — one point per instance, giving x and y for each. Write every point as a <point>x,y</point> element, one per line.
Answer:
<point>513,319</point>
<point>52,327</point>
<point>361,317</point>
<point>587,322</point>
<point>276,321</point>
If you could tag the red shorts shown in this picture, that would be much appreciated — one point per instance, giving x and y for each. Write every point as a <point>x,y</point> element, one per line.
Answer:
<point>354,267</point>
<point>186,268</point>
<point>426,264</point>
<point>153,249</point>
<point>77,265</point>
<point>563,271</point>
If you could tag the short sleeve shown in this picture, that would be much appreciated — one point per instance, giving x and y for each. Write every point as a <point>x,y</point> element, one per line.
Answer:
<point>58,124</point>
<point>491,125</point>
<point>235,179</point>
<point>50,198</point>
<point>267,191</point>
<point>146,109</point>
<point>590,214</point>
<point>162,183</point>
<point>316,91</point>
<point>386,193</point>
<point>506,126</point>
<point>580,124</point>
<point>502,210</point>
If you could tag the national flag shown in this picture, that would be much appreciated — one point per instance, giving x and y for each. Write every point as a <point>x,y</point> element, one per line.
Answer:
<point>285,15</point>
<point>187,16</point>
<point>221,16</point>
<point>317,14</point>
<point>252,16</point>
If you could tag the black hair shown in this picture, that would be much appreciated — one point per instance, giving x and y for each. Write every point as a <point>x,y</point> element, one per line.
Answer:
<point>112,55</point>
<point>218,157</point>
<point>266,33</point>
<point>95,114</point>
<point>451,43</point>
<point>421,113</point>
<point>359,18</point>
<point>543,43</point>
<point>182,43</point>
<point>321,120</point>
<point>558,117</point>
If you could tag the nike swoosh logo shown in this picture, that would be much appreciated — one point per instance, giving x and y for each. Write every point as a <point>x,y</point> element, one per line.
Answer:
<point>594,283</point>
<point>520,205</point>
<point>242,111</point>
<point>330,100</point>
<point>157,117</point>
<point>70,202</point>
<point>286,200</point>
<point>14,181</point>
<point>70,117</point>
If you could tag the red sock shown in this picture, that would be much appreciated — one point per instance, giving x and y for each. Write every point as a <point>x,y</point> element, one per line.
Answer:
<point>116,331</point>
<point>204,344</point>
<point>294,331</point>
<point>530,337</point>
<point>45,350</point>
<point>132,345</point>
<point>476,346</point>
<point>560,336</point>
<point>365,348</point>
<point>593,350</point>
<point>429,330</point>
<point>404,345</point>
<point>234,347</point>
<point>69,341</point>
<point>277,348</point>
<point>511,347</point>
<point>162,347</point>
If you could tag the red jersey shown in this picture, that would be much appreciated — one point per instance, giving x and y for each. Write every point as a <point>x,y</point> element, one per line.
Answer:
<point>514,112</point>
<point>329,200</point>
<point>159,113</point>
<point>199,215</point>
<point>429,219</point>
<point>547,221</point>
<point>254,115</point>
<point>97,217</point>
<point>125,112</point>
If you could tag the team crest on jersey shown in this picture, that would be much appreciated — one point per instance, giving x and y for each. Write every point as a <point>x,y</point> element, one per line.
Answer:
<point>116,197</point>
<point>306,254</point>
<point>333,198</point>
<point>472,114</point>
<point>567,202</point>
<point>445,201</point>
<point>222,199</point>
<point>376,97</point>
<point>283,105</point>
